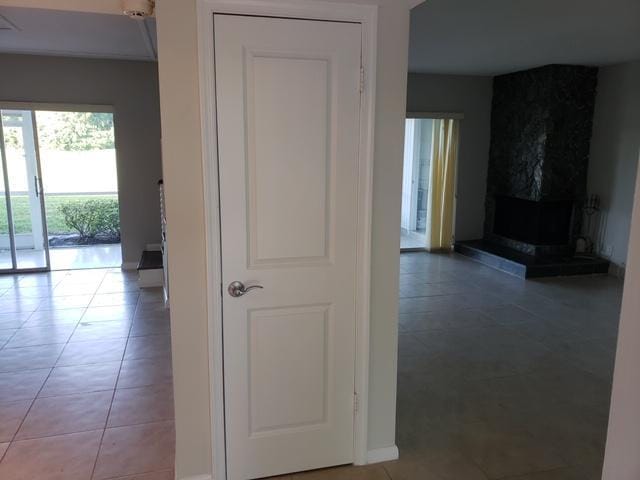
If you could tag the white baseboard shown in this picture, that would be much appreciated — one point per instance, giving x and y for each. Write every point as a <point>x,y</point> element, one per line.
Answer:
<point>373,456</point>
<point>383,454</point>
<point>128,266</point>
<point>617,270</point>
<point>153,247</point>
<point>150,278</point>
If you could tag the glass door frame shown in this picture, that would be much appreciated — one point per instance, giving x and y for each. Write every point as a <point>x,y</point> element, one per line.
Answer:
<point>418,115</point>
<point>39,192</point>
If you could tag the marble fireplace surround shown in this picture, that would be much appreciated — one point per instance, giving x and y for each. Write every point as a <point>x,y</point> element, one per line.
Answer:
<point>541,124</point>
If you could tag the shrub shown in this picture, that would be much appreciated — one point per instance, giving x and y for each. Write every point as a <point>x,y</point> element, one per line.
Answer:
<point>110,218</point>
<point>91,218</point>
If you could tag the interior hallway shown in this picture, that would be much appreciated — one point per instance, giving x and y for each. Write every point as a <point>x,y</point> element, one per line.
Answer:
<point>85,378</point>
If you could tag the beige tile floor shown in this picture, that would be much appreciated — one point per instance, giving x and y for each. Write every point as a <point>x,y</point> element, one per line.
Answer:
<point>85,378</point>
<point>498,378</point>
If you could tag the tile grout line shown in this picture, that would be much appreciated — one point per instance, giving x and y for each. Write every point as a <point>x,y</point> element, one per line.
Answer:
<point>70,394</point>
<point>33,401</point>
<point>113,396</point>
<point>37,393</point>
<point>13,438</point>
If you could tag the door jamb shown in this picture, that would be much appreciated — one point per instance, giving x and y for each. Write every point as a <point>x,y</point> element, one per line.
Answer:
<point>40,186</point>
<point>367,16</point>
<point>7,196</point>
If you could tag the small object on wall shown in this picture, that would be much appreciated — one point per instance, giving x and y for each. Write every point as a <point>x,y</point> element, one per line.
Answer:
<point>138,9</point>
<point>163,247</point>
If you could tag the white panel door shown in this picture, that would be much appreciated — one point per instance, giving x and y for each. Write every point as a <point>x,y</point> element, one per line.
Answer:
<point>288,103</point>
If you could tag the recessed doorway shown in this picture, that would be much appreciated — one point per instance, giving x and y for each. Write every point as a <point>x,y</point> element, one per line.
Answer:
<point>428,183</point>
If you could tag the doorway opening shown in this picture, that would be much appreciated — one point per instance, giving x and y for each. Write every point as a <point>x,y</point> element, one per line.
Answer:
<point>428,184</point>
<point>59,181</point>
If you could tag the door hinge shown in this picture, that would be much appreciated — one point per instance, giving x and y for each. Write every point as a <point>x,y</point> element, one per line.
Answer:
<point>361,79</point>
<point>356,403</point>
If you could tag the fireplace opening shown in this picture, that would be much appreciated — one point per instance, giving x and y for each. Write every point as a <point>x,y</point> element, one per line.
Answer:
<point>535,223</point>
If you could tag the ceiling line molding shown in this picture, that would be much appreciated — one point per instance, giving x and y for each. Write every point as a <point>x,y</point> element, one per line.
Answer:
<point>74,54</point>
<point>147,39</point>
<point>415,3</point>
<point>113,7</point>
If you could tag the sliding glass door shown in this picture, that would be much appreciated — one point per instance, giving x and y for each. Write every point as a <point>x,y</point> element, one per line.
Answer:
<point>24,244</point>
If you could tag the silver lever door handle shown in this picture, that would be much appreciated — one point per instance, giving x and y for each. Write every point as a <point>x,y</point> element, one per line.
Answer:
<point>237,289</point>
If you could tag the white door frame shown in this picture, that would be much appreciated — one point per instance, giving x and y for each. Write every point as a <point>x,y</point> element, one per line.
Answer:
<point>39,233</point>
<point>367,16</point>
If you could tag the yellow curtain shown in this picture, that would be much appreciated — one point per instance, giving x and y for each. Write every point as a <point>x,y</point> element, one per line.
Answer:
<point>442,185</point>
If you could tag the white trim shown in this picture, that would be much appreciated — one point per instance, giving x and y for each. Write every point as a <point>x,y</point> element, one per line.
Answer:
<point>129,266</point>
<point>437,115</point>
<point>617,270</point>
<point>150,278</point>
<point>383,454</point>
<point>153,247</point>
<point>198,477</point>
<point>367,16</point>
<point>212,230</point>
<point>80,54</point>
<point>111,7</point>
<point>56,107</point>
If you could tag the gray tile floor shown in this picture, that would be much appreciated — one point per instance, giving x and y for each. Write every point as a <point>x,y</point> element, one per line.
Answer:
<point>499,378</point>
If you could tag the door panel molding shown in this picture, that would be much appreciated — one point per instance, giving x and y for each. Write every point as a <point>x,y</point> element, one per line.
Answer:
<point>265,252</point>
<point>278,322</point>
<point>366,15</point>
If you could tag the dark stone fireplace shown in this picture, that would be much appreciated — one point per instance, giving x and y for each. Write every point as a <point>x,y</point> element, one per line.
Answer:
<point>541,123</point>
<point>540,134</point>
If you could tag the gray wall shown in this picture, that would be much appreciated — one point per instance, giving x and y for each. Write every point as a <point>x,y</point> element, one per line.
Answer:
<point>132,89</point>
<point>615,146</point>
<point>470,95</point>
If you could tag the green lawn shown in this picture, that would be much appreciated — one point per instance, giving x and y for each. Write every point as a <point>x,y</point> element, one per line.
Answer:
<point>55,220</point>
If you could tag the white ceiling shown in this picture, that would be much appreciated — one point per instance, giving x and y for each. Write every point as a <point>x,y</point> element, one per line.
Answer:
<point>481,37</point>
<point>488,37</point>
<point>54,32</point>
